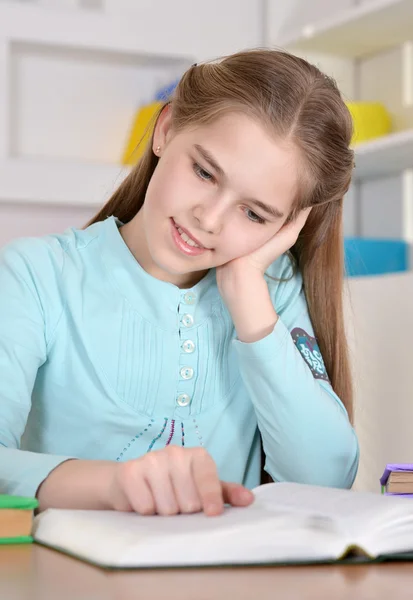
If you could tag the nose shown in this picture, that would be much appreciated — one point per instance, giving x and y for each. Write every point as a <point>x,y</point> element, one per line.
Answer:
<point>210,216</point>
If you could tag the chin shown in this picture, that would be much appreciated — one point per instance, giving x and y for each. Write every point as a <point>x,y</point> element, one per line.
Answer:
<point>167,266</point>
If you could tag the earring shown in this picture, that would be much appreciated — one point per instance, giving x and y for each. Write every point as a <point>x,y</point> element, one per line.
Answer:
<point>157,149</point>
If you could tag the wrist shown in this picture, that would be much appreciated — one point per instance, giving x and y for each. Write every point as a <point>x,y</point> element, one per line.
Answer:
<point>252,310</point>
<point>79,484</point>
<point>116,498</point>
<point>241,287</point>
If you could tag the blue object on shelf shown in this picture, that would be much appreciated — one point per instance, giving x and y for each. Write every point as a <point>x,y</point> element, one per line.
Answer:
<point>369,256</point>
<point>163,94</point>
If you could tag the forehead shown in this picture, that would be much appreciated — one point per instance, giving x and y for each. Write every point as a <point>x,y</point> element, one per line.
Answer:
<point>255,163</point>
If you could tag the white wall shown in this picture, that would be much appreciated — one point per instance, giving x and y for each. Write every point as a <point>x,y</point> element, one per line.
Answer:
<point>27,220</point>
<point>380,325</point>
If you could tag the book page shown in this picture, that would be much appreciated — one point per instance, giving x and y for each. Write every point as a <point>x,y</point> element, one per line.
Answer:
<point>363,517</point>
<point>250,535</point>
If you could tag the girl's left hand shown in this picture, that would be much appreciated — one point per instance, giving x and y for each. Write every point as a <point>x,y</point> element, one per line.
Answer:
<point>258,261</point>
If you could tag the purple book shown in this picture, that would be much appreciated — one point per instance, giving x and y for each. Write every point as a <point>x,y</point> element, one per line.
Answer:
<point>389,469</point>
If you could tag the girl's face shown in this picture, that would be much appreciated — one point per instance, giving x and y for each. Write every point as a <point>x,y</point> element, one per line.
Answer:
<point>219,192</point>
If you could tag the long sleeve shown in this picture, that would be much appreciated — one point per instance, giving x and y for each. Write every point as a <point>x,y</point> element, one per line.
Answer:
<point>306,433</point>
<point>23,349</point>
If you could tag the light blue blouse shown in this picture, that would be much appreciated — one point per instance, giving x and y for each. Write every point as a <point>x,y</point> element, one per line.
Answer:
<point>100,360</point>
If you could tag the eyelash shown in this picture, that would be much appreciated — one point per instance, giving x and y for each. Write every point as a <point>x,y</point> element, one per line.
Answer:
<point>200,172</point>
<point>256,218</point>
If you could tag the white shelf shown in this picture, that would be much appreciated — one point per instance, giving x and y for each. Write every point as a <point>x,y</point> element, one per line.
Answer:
<point>383,156</point>
<point>47,181</point>
<point>67,183</point>
<point>82,30</point>
<point>129,41</point>
<point>364,29</point>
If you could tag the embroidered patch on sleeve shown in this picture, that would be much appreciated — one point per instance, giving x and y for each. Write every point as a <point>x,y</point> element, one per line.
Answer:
<point>310,351</point>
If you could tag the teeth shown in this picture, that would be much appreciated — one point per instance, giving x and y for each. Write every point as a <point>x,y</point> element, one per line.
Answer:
<point>186,238</point>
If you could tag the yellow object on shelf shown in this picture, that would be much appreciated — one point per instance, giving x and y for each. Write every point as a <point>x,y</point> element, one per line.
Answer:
<point>140,133</point>
<point>371,120</point>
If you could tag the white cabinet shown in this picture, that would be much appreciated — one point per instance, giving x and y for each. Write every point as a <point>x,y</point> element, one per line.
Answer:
<point>353,30</point>
<point>203,29</point>
<point>71,81</point>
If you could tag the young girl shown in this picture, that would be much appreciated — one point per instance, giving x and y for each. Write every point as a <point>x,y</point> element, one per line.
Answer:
<point>144,358</point>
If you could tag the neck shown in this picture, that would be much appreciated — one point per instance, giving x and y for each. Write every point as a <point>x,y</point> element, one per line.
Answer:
<point>133,234</point>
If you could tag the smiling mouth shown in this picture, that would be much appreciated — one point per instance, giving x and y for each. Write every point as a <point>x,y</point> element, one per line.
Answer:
<point>187,238</point>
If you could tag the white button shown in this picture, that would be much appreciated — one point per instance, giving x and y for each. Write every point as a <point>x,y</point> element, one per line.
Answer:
<point>188,346</point>
<point>187,320</point>
<point>186,372</point>
<point>183,400</point>
<point>189,298</point>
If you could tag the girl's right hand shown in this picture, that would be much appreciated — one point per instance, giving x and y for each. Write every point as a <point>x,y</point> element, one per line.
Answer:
<point>171,481</point>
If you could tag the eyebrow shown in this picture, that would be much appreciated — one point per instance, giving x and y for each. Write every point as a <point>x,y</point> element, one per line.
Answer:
<point>274,212</point>
<point>209,159</point>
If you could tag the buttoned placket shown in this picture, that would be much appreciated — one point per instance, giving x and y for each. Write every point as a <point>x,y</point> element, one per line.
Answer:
<point>188,354</point>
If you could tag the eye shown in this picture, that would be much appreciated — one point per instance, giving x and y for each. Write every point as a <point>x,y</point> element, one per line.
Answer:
<point>201,173</point>
<point>252,216</point>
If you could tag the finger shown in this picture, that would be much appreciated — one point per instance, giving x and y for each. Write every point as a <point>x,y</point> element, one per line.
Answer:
<point>207,483</point>
<point>183,483</point>
<point>296,225</point>
<point>302,217</point>
<point>141,498</point>
<point>288,234</point>
<point>158,478</point>
<point>305,212</point>
<point>282,241</point>
<point>236,495</point>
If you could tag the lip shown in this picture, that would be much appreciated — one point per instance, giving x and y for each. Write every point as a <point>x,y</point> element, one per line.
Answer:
<point>182,245</point>
<point>189,235</point>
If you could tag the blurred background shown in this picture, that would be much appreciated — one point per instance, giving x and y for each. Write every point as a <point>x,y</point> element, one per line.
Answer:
<point>79,80</point>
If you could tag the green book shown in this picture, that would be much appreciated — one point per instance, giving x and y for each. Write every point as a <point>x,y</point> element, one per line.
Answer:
<point>16,519</point>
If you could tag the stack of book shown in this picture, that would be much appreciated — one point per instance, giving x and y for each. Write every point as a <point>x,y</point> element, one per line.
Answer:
<point>397,480</point>
<point>16,519</point>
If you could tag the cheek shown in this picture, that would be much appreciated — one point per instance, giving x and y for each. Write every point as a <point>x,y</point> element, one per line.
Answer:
<point>168,190</point>
<point>245,240</point>
<point>156,195</point>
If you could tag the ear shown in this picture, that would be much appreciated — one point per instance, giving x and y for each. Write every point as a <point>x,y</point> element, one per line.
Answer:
<point>163,130</point>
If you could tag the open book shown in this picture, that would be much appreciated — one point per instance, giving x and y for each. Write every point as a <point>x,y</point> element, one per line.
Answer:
<point>287,523</point>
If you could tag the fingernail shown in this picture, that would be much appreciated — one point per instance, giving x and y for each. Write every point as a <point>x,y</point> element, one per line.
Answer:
<point>247,495</point>
<point>213,509</point>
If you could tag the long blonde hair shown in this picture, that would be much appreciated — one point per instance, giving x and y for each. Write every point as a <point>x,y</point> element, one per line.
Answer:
<point>297,102</point>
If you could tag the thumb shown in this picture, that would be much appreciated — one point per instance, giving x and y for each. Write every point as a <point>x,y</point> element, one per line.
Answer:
<point>236,494</point>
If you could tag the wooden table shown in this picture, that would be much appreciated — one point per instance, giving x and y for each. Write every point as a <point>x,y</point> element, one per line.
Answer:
<point>35,573</point>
